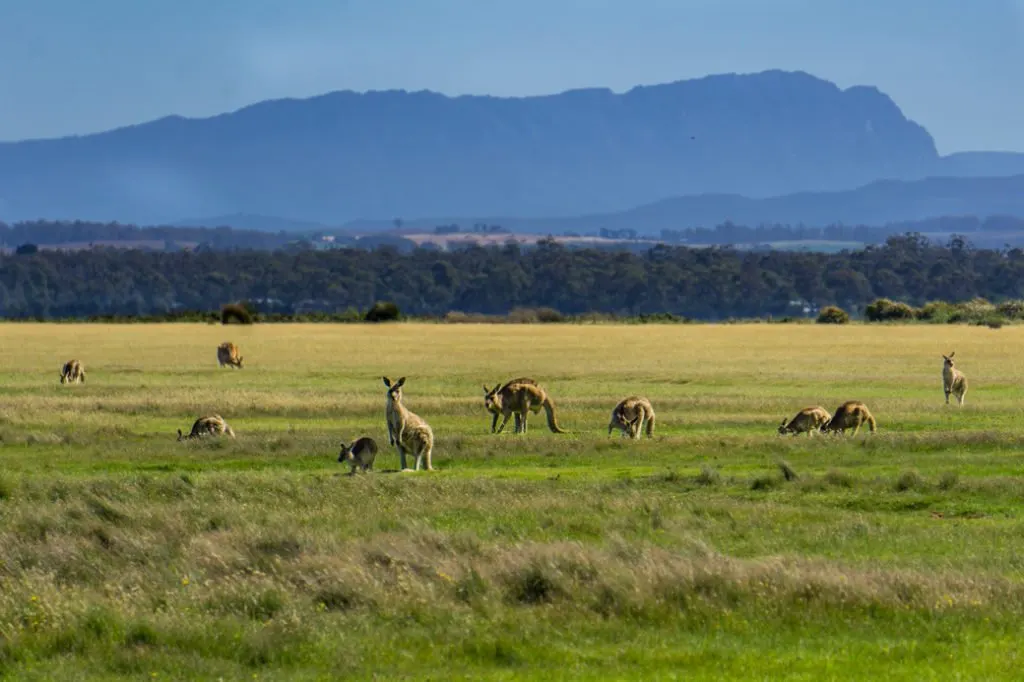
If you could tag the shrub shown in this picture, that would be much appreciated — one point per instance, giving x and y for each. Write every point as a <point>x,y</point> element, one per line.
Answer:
<point>1011,310</point>
<point>549,315</point>
<point>382,311</point>
<point>26,250</point>
<point>882,309</point>
<point>237,312</point>
<point>833,315</point>
<point>935,311</point>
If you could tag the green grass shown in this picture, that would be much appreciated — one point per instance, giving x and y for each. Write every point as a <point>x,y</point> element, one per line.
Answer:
<point>128,555</point>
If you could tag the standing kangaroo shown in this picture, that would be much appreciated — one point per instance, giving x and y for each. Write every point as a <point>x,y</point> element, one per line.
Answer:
<point>521,399</point>
<point>809,419</point>
<point>227,354</point>
<point>629,417</point>
<point>953,380</point>
<point>850,415</point>
<point>495,409</point>
<point>407,431</point>
<point>360,454</point>
<point>72,372</point>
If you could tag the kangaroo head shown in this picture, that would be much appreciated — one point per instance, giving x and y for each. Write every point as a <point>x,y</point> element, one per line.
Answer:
<point>346,453</point>
<point>492,401</point>
<point>947,360</point>
<point>782,426</point>
<point>394,389</point>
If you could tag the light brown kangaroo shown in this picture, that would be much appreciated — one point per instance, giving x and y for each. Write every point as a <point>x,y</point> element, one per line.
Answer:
<point>72,372</point>
<point>228,354</point>
<point>406,430</point>
<point>809,419</point>
<point>629,417</point>
<point>493,407</point>
<point>521,398</point>
<point>850,415</point>
<point>953,380</point>
<point>210,425</point>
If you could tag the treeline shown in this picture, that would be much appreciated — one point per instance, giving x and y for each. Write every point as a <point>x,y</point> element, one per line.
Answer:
<point>729,233</point>
<point>704,283</point>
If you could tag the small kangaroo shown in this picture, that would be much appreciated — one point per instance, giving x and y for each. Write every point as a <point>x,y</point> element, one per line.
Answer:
<point>360,454</point>
<point>210,425</point>
<point>406,430</point>
<point>850,415</point>
<point>227,354</point>
<point>521,398</point>
<point>809,419</point>
<point>953,380</point>
<point>629,417</point>
<point>493,407</point>
<point>72,372</point>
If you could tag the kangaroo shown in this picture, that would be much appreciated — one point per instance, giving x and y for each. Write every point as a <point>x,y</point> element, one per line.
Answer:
<point>360,454</point>
<point>407,431</point>
<point>629,417</point>
<point>227,354</point>
<point>210,425</point>
<point>953,380</point>
<point>521,398</point>
<point>809,419</point>
<point>850,415</point>
<point>495,410</point>
<point>72,372</point>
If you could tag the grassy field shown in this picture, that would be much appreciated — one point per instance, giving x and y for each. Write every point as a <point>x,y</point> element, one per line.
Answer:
<point>128,555</point>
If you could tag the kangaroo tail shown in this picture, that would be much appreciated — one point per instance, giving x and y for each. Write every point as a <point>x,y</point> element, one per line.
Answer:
<point>650,426</point>
<point>871,424</point>
<point>549,407</point>
<point>228,430</point>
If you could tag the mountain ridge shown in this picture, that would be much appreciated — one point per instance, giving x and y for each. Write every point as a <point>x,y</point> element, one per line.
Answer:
<point>385,154</point>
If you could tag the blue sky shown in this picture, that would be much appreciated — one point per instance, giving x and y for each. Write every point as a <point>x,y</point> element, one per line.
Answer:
<point>78,66</point>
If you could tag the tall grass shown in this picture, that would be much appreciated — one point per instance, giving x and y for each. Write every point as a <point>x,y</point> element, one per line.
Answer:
<point>717,550</point>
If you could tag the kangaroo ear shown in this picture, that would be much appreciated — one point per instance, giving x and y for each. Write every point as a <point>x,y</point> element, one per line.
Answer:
<point>400,382</point>
<point>387,382</point>
<point>496,387</point>
<point>952,354</point>
<point>486,390</point>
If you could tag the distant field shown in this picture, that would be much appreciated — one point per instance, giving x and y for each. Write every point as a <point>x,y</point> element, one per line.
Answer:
<point>128,555</point>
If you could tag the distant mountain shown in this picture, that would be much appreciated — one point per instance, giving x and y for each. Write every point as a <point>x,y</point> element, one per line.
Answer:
<point>876,203</point>
<point>398,154</point>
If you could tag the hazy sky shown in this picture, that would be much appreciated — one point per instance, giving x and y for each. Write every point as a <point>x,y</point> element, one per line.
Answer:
<point>77,66</point>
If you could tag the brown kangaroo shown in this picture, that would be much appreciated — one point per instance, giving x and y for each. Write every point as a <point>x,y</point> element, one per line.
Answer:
<point>227,354</point>
<point>72,372</point>
<point>210,425</point>
<point>809,419</point>
<point>850,415</point>
<point>521,398</point>
<point>629,417</point>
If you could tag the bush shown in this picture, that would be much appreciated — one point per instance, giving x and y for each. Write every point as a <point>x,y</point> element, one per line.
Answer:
<point>935,311</point>
<point>882,310</point>
<point>833,315</point>
<point>382,311</point>
<point>26,250</point>
<point>1011,310</point>
<point>237,312</point>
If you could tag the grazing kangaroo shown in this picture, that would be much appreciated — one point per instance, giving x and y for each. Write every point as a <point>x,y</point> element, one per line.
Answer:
<point>629,417</point>
<point>360,454</point>
<point>407,431</point>
<point>809,419</point>
<point>72,372</point>
<point>227,354</point>
<point>953,380</point>
<point>210,425</point>
<point>850,415</point>
<point>495,409</point>
<point>521,398</point>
